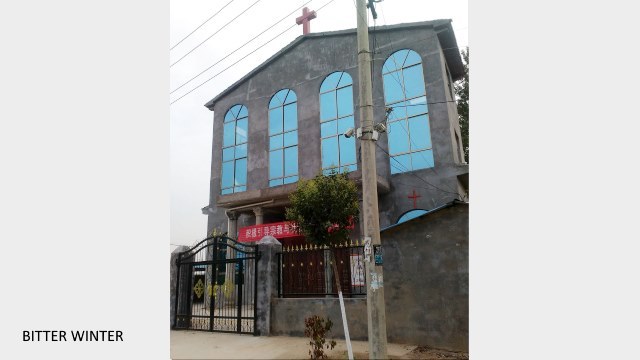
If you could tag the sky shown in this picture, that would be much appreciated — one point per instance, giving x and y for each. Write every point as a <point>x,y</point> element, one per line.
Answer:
<point>555,225</point>
<point>215,43</point>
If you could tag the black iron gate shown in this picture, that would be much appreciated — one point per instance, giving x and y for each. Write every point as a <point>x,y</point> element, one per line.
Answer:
<point>216,287</point>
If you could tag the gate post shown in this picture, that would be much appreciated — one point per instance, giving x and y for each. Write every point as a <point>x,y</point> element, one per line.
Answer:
<point>266,289</point>
<point>173,282</point>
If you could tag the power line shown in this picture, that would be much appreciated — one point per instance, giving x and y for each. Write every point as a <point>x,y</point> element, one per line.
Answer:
<point>227,68</point>
<point>245,57</point>
<point>404,169</point>
<point>223,26</point>
<point>243,45</point>
<point>404,94</point>
<point>349,68</point>
<point>346,68</point>
<point>194,30</point>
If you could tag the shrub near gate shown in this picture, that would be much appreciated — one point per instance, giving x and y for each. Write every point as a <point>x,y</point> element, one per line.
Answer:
<point>317,328</point>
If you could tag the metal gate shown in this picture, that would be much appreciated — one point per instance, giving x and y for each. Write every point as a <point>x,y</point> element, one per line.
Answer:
<point>216,287</point>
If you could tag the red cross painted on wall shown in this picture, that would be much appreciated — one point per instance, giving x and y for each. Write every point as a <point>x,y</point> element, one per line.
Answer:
<point>414,196</point>
<point>305,20</point>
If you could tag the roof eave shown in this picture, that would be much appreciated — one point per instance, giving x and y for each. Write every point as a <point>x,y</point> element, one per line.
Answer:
<point>443,26</point>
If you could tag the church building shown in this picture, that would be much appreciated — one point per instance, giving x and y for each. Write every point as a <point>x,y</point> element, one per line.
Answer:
<point>286,120</point>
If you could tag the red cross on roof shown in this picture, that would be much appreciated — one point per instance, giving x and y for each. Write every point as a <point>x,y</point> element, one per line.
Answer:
<point>306,17</point>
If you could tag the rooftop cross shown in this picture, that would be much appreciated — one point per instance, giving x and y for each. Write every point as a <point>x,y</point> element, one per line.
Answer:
<point>306,17</point>
<point>414,196</point>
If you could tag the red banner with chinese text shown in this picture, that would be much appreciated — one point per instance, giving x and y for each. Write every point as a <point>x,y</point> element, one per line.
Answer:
<point>279,230</point>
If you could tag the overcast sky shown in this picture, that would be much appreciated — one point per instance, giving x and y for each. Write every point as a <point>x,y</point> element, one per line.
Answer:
<point>191,122</point>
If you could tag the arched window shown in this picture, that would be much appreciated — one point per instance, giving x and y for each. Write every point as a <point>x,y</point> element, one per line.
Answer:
<point>408,123</point>
<point>234,150</point>
<point>336,116</point>
<point>283,138</point>
<point>411,214</point>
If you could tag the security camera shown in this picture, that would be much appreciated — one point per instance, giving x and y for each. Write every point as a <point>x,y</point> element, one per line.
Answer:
<point>349,133</point>
<point>380,127</point>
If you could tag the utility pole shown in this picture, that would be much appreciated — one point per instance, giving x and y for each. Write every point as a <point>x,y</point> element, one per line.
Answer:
<point>375,290</point>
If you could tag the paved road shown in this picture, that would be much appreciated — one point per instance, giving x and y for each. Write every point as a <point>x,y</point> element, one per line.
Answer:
<point>208,345</point>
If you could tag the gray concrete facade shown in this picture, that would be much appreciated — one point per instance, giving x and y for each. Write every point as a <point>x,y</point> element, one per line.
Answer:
<point>301,67</point>
<point>173,281</point>
<point>426,280</point>
<point>267,290</point>
<point>426,277</point>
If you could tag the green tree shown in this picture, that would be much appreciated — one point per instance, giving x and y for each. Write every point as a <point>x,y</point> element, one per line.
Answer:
<point>323,208</point>
<point>462,95</point>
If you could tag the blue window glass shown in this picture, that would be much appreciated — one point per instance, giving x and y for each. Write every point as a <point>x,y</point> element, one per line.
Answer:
<point>234,150</point>
<point>328,109</point>
<point>419,130</point>
<point>347,150</point>
<point>344,124</point>
<point>275,142</point>
<point>241,172</point>
<point>336,116</point>
<point>283,138</point>
<point>291,179</point>
<point>416,106</point>
<point>290,139</point>
<point>291,161</point>
<point>243,112</point>
<point>392,88</point>
<point>398,140</point>
<point>227,154</point>
<point>422,159</point>
<point>411,214</point>
<point>290,117</point>
<point>275,126</point>
<point>328,128</point>
<point>331,82</point>
<point>229,134</point>
<point>227,175</point>
<point>241,151</point>
<point>344,98</point>
<point>275,164</point>
<point>241,131</point>
<point>330,157</point>
<point>400,163</point>
<point>409,133</point>
<point>413,82</point>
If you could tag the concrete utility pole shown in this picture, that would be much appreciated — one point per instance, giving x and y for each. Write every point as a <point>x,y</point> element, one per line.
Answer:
<point>375,290</point>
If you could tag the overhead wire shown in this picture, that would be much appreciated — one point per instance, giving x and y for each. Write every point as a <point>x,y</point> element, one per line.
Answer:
<point>404,169</point>
<point>397,79</point>
<point>346,68</point>
<point>206,21</point>
<point>243,45</point>
<point>395,75</point>
<point>324,75</point>
<point>245,57</point>
<point>227,68</point>
<point>212,35</point>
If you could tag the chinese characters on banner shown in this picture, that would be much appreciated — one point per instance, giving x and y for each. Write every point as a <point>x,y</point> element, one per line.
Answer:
<point>279,230</point>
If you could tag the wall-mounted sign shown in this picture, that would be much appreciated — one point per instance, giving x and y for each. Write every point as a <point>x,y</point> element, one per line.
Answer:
<point>377,254</point>
<point>367,249</point>
<point>357,270</point>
